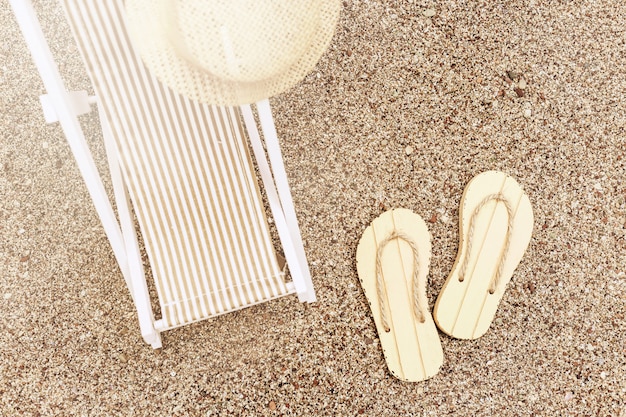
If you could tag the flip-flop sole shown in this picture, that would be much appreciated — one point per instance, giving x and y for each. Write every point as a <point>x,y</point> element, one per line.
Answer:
<point>466,307</point>
<point>411,347</point>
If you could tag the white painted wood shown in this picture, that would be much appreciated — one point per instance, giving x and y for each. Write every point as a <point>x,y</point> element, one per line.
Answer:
<point>292,244</point>
<point>78,100</point>
<point>64,109</point>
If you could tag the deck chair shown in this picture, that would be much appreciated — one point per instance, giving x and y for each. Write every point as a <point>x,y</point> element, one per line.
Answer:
<point>184,170</point>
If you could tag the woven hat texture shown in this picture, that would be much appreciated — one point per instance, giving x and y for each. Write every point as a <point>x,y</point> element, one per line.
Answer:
<point>230,52</point>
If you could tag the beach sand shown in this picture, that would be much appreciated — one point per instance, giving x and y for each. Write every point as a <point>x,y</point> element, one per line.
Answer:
<point>412,100</point>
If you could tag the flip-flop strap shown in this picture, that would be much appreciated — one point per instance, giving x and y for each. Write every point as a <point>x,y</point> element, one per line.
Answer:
<point>493,285</point>
<point>417,311</point>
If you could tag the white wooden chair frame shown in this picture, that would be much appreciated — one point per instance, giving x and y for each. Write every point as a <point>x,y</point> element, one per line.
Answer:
<point>65,107</point>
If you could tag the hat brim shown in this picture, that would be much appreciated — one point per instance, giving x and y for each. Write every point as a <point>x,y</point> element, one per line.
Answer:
<point>146,22</point>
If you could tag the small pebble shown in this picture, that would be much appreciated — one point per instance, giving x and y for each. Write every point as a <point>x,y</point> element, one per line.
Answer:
<point>384,142</point>
<point>522,84</point>
<point>603,375</point>
<point>519,92</point>
<point>272,405</point>
<point>568,396</point>
<point>513,75</point>
<point>429,12</point>
<point>45,145</point>
<point>7,295</point>
<point>528,113</point>
<point>408,150</point>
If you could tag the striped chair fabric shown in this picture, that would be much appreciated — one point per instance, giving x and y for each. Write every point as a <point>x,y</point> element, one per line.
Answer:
<point>189,176</point>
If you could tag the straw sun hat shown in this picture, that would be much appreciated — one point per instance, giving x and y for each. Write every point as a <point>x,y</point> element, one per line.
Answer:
<point>230,52</point>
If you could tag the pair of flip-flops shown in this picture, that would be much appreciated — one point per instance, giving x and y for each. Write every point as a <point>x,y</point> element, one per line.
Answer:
<point>496,222</point>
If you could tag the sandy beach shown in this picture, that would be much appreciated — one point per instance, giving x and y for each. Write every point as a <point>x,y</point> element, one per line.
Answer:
<point>410,102</point>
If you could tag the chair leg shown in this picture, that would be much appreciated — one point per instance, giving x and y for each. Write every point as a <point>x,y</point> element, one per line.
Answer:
<point>279,196</point>
<point>60,99</point>
<point>65,111</point>
<point>135,276</point>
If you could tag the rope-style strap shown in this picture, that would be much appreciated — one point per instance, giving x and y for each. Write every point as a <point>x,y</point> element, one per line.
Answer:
<point>496,279</point>
<point>417,311</point>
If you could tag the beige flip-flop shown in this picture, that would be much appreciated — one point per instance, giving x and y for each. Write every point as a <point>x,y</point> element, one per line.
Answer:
<point>393,256</point>
<point>496,224</point>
